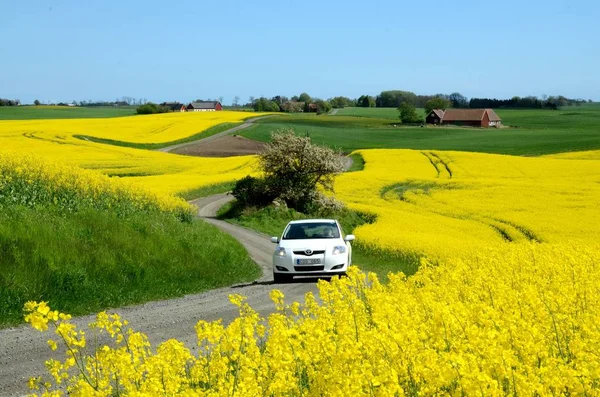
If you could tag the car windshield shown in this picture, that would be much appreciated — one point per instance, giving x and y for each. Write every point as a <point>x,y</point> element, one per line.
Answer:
<point>311,230</point>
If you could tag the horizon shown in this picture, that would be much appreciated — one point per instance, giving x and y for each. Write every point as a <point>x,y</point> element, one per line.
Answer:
<point>64,51</point>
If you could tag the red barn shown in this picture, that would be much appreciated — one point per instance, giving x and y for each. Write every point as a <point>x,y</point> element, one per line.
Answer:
<point>465,117</point>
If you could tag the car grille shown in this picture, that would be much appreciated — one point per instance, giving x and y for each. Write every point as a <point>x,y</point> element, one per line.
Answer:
<point>313,253</point>
<point>309,268</point>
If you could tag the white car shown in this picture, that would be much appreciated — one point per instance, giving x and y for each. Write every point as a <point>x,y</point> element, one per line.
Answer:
<point>311,247</point>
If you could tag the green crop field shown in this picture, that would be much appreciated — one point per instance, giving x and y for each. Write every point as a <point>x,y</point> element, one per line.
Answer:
<point>528,132</point>
<point>62,112</point>
<point>379,113</point>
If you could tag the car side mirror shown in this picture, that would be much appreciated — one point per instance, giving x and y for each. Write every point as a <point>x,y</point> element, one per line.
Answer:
<point>275,240</point>
<point>349,237</point>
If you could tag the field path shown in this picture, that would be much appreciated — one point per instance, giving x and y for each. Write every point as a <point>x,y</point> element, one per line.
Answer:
<point>247,123</point>
<point>24,350</point>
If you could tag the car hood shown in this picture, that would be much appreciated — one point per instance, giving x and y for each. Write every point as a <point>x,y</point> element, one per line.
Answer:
<point>313,244</point>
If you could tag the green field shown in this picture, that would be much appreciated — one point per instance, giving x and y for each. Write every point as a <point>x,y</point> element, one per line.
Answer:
<point>378,113</point>
<point>528,132</point>
<point>62,112</point>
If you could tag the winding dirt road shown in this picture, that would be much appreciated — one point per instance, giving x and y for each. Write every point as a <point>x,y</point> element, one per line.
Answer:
<point>24,350</point>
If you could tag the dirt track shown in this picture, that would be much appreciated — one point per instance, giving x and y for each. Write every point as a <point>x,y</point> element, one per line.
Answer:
<point>209,140</point>
<point>23,350</point>
<point>225,146</point>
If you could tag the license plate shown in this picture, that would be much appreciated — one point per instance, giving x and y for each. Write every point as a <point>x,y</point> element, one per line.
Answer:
<point>308,261</point>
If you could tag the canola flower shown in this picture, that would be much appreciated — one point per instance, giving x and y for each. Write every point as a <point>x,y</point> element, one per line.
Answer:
<point>30,181</point>
<point>441,203</point>
<point>161,172</point>
<point>517,320</point>
<point>155,128</point>
<point>583,155</point>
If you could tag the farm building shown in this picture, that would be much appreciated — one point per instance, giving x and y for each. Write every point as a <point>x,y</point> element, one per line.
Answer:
<point>174,106</point>
<point>204,106</point>
<point>464,117</point>
<point>435,116</point>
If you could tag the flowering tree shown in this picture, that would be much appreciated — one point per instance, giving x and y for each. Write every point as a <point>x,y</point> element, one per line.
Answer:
<point>294,170</point>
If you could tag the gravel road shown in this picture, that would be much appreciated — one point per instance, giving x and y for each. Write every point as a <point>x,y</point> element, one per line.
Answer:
<point>24,350</point>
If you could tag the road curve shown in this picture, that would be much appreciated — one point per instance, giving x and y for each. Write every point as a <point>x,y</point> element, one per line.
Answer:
<point>247,123</point>
<point>24,350</point>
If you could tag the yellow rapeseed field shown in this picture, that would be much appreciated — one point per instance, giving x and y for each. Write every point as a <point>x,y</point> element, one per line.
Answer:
<point>441,204</point>
<point>31,181</point>
<point>585,155</point>
<point>515,320</point>
<point>505,301</point>
<point>161,172</point>
<point>154,128</point>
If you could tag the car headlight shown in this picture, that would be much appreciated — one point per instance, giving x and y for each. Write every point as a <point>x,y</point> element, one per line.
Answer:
<point>280,251</point>
<point>339,249</point>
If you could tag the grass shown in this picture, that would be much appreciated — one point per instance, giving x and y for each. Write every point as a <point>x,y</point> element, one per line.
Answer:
<point>358,163</point>
<point>206,191</point>
<point>63,112</point>
<point>153,146</point>
<point>378,113</point>
<point>272,220</point>
<point>534,132</point>
<point>92,260</point>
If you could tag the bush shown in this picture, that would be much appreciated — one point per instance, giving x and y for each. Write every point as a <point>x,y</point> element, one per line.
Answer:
<point>151,108</point>
<point>408,114</point>
<point>253,192</point>
<point>294,169</point>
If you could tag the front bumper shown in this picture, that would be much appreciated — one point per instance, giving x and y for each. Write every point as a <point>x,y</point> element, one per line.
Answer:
<point>329,266</point>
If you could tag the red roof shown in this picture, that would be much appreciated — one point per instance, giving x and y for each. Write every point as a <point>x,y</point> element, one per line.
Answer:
<point>469,115</point>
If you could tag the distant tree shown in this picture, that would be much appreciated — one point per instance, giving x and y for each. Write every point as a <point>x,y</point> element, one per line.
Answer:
<point>251,100</point>
<point>9,102</point>
<point>394,98</point>
<point>322,106</point>
<point>220,99</point>
<point>295,98</point>
<point>437,103</point>
<point>265,105</point>
<point>37,102</point>
<point>590,101</point>
<point>340,102</point>
<point>292,107</point>
<point>365,101</point>
<point>458,100</point>
<point>152,108</point>
<point>304,97</point>
<point>408,114</point>
<point>280,99</point>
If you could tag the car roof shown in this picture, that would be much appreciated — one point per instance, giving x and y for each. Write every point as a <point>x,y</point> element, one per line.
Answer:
<point>312,221</point>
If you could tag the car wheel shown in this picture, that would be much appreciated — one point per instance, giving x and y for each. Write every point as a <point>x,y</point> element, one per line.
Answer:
<point>280,278</point>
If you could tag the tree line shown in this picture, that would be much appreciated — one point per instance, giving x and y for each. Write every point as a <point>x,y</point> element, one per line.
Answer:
<point>398,98</point>
<point>9,102</point>
<point>529,102</point>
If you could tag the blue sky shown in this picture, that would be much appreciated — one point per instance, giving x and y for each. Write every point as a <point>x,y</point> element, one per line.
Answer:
<point>182,50</point>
